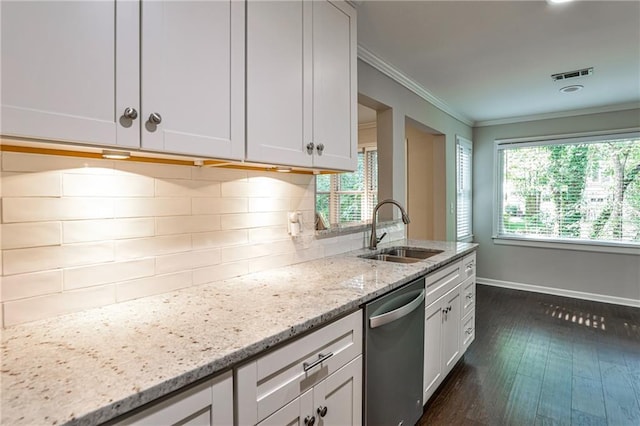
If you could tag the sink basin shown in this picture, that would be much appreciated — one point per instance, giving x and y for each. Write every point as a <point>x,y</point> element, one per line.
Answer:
<point>402,254</point>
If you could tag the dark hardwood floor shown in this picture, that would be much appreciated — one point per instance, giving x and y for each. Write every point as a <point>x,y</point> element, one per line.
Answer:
<point>544,360</point>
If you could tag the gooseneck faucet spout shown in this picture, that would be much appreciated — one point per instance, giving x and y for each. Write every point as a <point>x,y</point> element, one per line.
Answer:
<point>373,242</point>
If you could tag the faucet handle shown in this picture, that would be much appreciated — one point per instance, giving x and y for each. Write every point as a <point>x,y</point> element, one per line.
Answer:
<point>381,237</point>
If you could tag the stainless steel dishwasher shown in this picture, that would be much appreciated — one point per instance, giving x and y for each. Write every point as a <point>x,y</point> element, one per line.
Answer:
<point>394,356</point>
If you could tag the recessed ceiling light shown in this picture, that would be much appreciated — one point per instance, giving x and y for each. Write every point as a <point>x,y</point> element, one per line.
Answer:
<point>571,89</point>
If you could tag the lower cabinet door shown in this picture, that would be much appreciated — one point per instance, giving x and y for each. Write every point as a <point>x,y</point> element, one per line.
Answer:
<point>338,398</point>
<point>451,330</point>
<point>434,319</point>
<point>297,412</point>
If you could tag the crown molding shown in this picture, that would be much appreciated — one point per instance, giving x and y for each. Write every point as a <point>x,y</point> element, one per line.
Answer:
<point>560,114</point>
<point>398,76</point>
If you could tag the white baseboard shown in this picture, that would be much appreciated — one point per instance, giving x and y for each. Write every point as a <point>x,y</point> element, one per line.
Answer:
<point>560,292</point>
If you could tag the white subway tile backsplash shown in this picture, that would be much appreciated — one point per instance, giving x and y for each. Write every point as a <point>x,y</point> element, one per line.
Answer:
<point>219,272</point>
<point>31,234</point>
<point>186,224</point>
<point>218,174</point>
<point>31,284</point>
<point>252,220</point>
<point>204,240</point>
<point>35,308</point>
<point>143,207</point>
<point>219,205</point>
<point>156,170</point>
<point>113,185</point>
<point>45,184</point>
<point>105,273</point>
<point>188,188</point>
<point>136,289</point>
<point>269,204</point>
<point>187,260</point>
<point>46,209</point>
<point>77,231</point>
<point>154,246</point>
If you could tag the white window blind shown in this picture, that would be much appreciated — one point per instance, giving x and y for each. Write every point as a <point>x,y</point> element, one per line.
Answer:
<point>582,189</point>
<point>349,197</point>
<point>464,200</point>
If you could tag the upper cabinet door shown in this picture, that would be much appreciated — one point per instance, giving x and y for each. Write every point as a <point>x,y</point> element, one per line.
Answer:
<point>301,84</point>
<point>60,64</point>
<point>193,77</point>
<point>275,83</point>
<point>334,86</point>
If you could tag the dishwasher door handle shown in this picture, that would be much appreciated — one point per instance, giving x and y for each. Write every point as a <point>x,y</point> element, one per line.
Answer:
<point>404,310</point>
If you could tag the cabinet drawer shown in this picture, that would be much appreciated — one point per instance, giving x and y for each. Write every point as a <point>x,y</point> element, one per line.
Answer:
<point>442,281</point>
<point>468,293</point>
<point>271,381</point>
<point>468,331</point>
<point>469,265</point>
<point>209,403</point>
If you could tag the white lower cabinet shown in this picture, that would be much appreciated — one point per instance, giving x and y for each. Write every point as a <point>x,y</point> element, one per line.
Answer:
<point>449,320</point>
<point>207,404</point>
<point>336,400</point>
<point>317,377</point>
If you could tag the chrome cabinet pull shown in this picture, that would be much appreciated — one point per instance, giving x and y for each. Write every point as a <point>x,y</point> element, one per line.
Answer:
<point>320,148</point>
<point>321,357</point>
<point>310,147</point>
<point>310,420</point>
<point>130,113</point>
<point>155,118</point>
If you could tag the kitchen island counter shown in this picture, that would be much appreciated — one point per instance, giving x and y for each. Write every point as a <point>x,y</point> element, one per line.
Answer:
<point>92,366</point>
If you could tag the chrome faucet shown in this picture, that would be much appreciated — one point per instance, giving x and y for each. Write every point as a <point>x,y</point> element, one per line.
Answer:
<point>373,242</point>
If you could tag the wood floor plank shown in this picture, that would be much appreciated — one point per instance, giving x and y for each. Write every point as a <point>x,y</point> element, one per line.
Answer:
<point>587,396</point>
<point>579,418</point>
<point>555,396</point>
<point>619,396</point>
<point>585,361</point>
<point>523,401</point>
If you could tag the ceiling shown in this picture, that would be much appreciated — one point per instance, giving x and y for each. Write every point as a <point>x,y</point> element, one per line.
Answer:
<point>491,61</point>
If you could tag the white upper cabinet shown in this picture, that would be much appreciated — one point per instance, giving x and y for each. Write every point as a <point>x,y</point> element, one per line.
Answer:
<point>301,84</point>
<point>74,71</point>
<point>193,77</point>
<point>60,65</point>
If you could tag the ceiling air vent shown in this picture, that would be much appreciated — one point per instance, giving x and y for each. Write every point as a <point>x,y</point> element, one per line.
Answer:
<point>572,74</point>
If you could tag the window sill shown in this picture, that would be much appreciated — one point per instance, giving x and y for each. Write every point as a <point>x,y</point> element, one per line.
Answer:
<point>338,230</point>
<point>601,247</point>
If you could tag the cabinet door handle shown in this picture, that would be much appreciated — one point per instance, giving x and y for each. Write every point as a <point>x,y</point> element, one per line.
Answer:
<point>310,147</point>
<point>310,420</point>
<point>322,411</point>
<point>320,148</point>
<point>155,118</point>
<point>321,357</point>
<point>130,113</point>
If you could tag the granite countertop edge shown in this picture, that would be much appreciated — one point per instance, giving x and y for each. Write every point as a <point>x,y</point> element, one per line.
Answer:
<point>219,363</point>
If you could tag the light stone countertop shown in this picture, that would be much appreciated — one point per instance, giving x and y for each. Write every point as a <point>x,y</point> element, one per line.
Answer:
<point>90,367</point>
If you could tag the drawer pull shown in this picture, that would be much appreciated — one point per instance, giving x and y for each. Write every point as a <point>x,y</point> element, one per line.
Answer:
<point>470,296</point>
<point>321,357</point>
<point>469,330</point>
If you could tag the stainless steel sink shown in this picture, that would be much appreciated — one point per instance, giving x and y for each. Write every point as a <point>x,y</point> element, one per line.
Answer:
<point>402,254</point>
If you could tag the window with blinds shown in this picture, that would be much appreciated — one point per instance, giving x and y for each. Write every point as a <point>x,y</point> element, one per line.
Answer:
<point>583,188</point>
<point>349,197</point>
<point>464,156</point>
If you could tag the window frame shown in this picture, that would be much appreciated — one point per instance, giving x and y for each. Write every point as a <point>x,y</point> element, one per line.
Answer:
<point>463,143</point>
<point>555,243</point>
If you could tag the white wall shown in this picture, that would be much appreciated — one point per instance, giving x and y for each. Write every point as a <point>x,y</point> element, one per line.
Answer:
<point>598,276</point>
<point>404,103</point>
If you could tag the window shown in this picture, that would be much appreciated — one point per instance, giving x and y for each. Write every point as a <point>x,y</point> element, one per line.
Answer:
<point>349,197</point>
<point>464,155</point>
<point>575,189</point>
